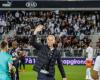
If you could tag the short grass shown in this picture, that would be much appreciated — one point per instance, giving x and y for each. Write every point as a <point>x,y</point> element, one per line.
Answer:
<point>72,72</point>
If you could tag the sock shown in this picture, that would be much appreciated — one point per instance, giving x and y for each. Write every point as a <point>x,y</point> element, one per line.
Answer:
<point>87,73</point>
<point>89,69</point>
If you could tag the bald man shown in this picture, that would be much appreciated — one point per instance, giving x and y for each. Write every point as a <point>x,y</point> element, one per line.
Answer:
<point>14,54</point>
<point>47,57</point>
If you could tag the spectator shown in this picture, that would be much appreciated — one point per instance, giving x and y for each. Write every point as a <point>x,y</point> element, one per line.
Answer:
<point>59,23</point>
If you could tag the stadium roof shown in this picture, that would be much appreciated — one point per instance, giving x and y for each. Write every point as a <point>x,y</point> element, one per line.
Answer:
<point>50,5</point>
<point>49,0</point>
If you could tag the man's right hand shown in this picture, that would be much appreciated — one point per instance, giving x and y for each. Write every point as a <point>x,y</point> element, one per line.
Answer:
<point>64,78</point>
<point>38,29</point>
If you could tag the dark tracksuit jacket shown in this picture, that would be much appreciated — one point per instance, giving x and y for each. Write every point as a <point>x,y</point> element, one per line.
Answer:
<point>46,59</point>
<point>15,63</point>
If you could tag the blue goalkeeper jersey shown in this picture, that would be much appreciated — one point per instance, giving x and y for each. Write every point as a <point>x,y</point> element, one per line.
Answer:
<point>5,59</point>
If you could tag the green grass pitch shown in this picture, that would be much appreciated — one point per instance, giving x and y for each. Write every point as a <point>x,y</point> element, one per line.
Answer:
<point>72,72</point>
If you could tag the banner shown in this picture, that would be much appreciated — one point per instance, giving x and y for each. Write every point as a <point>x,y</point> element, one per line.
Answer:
<point>50,4</point>
<point>65,61</point>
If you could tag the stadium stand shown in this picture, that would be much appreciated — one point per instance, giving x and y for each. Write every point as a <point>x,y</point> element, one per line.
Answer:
<point>72,29</point>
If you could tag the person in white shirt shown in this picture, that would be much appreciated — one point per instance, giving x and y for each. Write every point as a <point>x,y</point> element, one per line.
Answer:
<point>96,69</point>
<point>76,27</point>
<point>89,51</point>
<point>17,14</point>
<point>51,27</point>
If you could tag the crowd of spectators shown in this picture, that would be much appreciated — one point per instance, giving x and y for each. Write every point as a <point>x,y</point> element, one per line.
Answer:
<point>72,29</point>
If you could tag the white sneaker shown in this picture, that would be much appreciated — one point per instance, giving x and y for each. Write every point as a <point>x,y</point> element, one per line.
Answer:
<point>87,77</point>
<point>90,79</point>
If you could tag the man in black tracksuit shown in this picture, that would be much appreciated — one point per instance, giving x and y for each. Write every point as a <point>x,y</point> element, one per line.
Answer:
<point>13,52</point>
<point>46,58</point>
